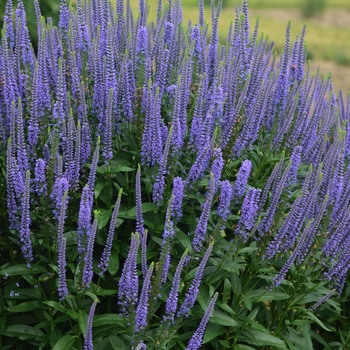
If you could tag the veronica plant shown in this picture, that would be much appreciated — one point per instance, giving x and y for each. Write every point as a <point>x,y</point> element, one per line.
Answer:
<point>165,190</point>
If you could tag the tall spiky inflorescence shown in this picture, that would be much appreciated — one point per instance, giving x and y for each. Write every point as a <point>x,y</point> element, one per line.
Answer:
<point>168,237</point>
<point>217,166</point>
<point>140,229</point>
<point>282,273</point>
<point>296,159</point>
<point>103,265</point>
<point>197,119</point>
<point>26,244</point>
<point>178,194</point>
<point>88,344</point>
<point>191,295</point>
<point>199,166</point>
<point>142,41</point>
<point>266,223</point>
<point>142,307</point>
<point>64,16</point>
<point>22,154</point>
<point>321,301</point>
<point>10,187</point>
<point>201,229</point>
<point>60,106</point>
<point>152,144</point>
<point>23,49</point>
<point>158,187</point>
<point>282,83</point>
<point>88,271</point>
<point>250,207</point>
<point>9,33</point>
<point>84,219</point>
<point>33,125</point>
<point>61,250</point>
<point>59,188</point>
<point>107,151</point>
<point>242,179</point>
<point>214,42</point>
<point>39,181</point>
<point>128,283</point>
<point>226,195</point>
<point>197,338</point>
<point>172,300</point>
<point>93,167</point>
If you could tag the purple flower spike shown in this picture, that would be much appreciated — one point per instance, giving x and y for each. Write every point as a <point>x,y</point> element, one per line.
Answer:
<point>139,218</point>
<point>201,229</point>
<point>40,178</point>
<point>88,344</point>
<point>192,292</point>
<point>226,196</point>
<point>103,265</point>
<point>178,193</point>
<point>171,303</point>
<point>197,338</point>
<point>322,300</point>
<point>295,158</point>
<point>59,188</point>
<point>142,307</point>
<point>26,244</point>
<point>142,38</point>
<point>217,166</point>
<point>250,207</point>
<point>158,187</point>
<point>128,283</point>
<point>64,16</point>
<point>87,271</point>
<point>242,179</point>
<point>61,249</point>
<point>84,218</point>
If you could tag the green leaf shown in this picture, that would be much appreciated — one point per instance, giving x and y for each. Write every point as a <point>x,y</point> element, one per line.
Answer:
<point>113,265</point>
<point>56,305</point>
<point>46,276</point>
<point>222,319</point>
<point>21,270</point>
<point>247,302</point>
<point>226,293</point>
<point>117,343</point>
<point>98,188</point>
<point>101,320</point>
<point>104,217</point>
<point>212,331</point>
<point>184,240</point>
<point>23,332</point>
<point>101,291</point>
<point>82,320</point>
<point>300,339</point>
<point>120,168</point>
<point>226,308</point>
<point>92,296</point>
<point>26,306</point>
<point>131,213</point>
<point>65,342</point>
<point>72,314</point>
<point>242,347</point>
<point>314,318</point>
<point>264,294</point>
<point>248,250</point>
<point>262,339</point>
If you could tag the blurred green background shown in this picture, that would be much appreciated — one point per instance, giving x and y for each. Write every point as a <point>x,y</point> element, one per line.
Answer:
<point>328,26</point>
